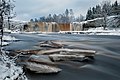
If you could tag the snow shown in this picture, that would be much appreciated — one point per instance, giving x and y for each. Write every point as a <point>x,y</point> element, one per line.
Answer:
<point>11,73</point>
<point>96,31</point>
<point>6,30</point>
<point>4,43</point>
<point>11,31</point>
<point>33,32</point>
<point>20,21</point>
<point>7,40</point>
<point>16,31</point>
<point>9,70</point>
<point>101,31</point>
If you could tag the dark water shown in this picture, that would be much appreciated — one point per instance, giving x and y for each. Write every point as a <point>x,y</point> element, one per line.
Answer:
<point>105,67</point>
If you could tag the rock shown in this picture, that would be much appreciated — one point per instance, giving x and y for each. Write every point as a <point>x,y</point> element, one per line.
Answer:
<point>59,57</point>
<point>41,68</point>
<point>68,52</point>
<point>28,51</point>
<point>40,64</point>
<point>43,59</point>
<point>50,44</point>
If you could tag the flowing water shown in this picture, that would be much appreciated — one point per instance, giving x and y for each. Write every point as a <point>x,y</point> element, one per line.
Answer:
<point>106,65</point>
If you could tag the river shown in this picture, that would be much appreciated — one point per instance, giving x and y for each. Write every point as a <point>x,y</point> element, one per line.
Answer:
<point>106,65</point>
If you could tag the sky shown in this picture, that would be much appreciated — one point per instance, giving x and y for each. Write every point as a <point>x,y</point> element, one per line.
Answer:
<point>30,9</point>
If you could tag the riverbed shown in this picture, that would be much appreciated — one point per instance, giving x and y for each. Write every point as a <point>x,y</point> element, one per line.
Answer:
<point>106,65</point>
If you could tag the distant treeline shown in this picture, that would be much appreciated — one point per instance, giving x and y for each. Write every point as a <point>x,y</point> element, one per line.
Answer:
<point>104,9</point>
<point>66,17</point>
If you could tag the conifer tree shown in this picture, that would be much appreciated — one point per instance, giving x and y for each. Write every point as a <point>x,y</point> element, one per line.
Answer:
<point>116,8</point>
<point>89,14</point>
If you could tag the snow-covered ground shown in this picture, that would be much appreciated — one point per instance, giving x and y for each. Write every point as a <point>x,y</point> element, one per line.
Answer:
<point>8,69</point>
<point>95,31</point>
<point>101,31</point>
<point>11,31</point>
<point>7,40</point>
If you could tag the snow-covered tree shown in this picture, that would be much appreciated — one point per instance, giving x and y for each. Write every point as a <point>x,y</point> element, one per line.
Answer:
<point>116,8</point>
<point>71,17</point>
<point>6,7</point>
<point>103,11</point>
<point>55,18</point>
<point>31,20</point>
<point>106,11</point>
<point>36,20</point>
<point>9,70</point>
<point>80,18</point>
<point>89,14</point>
<point>66,16</point>
<point>98,11</point>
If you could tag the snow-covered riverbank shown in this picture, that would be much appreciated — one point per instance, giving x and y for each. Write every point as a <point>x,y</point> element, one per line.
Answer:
<point>95,31</point>
<point>90,31</point>
<point>8,68</point>
<point>101,31</point>
<point>7,40</point>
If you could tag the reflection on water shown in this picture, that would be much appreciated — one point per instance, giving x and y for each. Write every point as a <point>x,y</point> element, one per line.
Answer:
<point>105,67</point>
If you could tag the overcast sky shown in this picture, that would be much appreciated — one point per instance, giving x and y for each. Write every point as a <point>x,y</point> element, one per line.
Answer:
<point>27,9</point>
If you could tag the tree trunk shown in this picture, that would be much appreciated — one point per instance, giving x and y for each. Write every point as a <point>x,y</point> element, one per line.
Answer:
<point>105,20</point>
<point>1,28</point>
